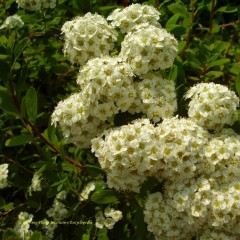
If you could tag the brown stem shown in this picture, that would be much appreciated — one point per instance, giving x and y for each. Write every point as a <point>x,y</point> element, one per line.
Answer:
<point>125,2</point>
<point>37,131</point>
<point>211,17</point>
<point>11,160</point>
<point>156,4</point>
<point>128,196</point>
<point>229,24</point>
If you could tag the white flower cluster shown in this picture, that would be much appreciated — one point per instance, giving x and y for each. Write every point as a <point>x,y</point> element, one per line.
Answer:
<point>13,21</point>
<point>201,172</point>
<point>108,219</point>
<point>107,84</point>
<point>125,19</point>
<point>156,97</point>
<point>206,203</point>
<point>23,224</point>
<point>147,48</point>
<point>128,154</point>
<point>131,153</point>
<point>36,183</point>
<point>87,37</point>
<point>77,120</point>
<point>201,207</point>
<point>200,169</point>
<point>3,175</point>
<point>106,88</point>
<point>182,142</point>
<point>86,191</point>
<point>35,5</point>
<point>57,212</point>
<point>212,105</point>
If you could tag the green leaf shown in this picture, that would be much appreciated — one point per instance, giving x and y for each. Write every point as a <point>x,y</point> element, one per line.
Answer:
<point>21,80</point>
<point>8,206</point>
<point>10,234</point>
<point>172,20</point>
<point>214,74</point>
<point>105,196</point>
<point>102,234</point>
<point>7,103</point>
<point>176,30</point>
<point>31,104</point>
<point>82,6</point>
<point>85,236</point>
<point>11,42</point>
<point>139,224</point>
<point>227,9</point>
<point>61,68</point>
<point>18,140</point>
<point>180,9</point>
<point>36,236</point>
<point>93,170</point>
<point>237,84</point>
<point>20,47</point>
<point>218,62</point>
<point>107,8</point>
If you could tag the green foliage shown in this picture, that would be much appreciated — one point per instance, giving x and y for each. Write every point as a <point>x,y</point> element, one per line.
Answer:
<point>35,76</point>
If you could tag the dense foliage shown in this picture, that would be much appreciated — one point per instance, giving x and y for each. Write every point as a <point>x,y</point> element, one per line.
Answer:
<point>53,185</point>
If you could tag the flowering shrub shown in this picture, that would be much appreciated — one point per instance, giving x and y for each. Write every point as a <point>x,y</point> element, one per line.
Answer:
<point>119,124</point>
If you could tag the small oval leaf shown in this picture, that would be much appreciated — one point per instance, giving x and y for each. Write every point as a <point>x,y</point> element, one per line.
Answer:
<point>18,140</point>
<point>105,197</point>
<point>31,104</point>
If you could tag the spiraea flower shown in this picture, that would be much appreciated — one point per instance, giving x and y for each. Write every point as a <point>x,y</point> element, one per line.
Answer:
<point>86,191</point>
<point>3,175</point>
<point>156,97</point>
<point>35,5</point>
<point>128,154</point>
<point>87,37</point>
<point>108,218</point>
<point>110,83</point>
<point>125,19</point>
<point>147,48</point>
<point>13,21</point>
<point>77,119</point>
<point>23,225</point>
<point>182,142</point>
<point>212,105</point>
<point>36,183</point>
<point>58,211</point>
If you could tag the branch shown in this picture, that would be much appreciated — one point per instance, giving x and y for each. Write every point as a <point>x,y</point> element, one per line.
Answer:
<point>39,134</point>
<point>211,17</point>
<point>229,24</point>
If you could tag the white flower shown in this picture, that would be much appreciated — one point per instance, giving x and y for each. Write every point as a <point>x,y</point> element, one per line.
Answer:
<point>23,224</point>
<point>108,219</point>
<point>3,175</point>
<point>157,95</point>
<point>86,191</point>
<point>148,48</point>
<point>36,183</point>
<point>58,210</point>
<point>127,154</point>
<point>212,105</point>
<point>132,15</point>
<point>87,37</point>
<point>13,21</point>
